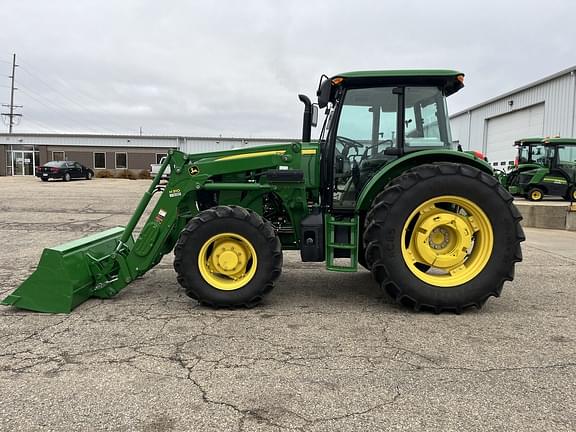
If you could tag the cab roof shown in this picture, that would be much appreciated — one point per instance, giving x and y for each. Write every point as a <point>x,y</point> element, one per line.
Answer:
<point>565,141</point>
<point>400,73</point>
<point>528,141</point>
<point>450,81</point>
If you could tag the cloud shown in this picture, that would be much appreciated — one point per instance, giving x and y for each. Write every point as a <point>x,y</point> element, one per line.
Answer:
<point>235,68</point>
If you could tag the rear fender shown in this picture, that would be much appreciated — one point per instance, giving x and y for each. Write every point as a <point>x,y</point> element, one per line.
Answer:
<point>396,168</point>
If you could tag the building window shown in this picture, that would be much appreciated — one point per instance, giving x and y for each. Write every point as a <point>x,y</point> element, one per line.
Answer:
<point>121,160</point>
<point>159,157</point>
<point>99,160</point>
<point>58,156</point>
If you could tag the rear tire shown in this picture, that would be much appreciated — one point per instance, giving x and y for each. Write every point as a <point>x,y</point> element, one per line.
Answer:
<point>197,250</point>
<point>44,179</point>
<point>66,177</point>
<point>483,214</point>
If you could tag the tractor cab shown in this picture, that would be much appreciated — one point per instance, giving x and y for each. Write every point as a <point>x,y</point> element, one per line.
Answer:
<point>561,156</point>
<point>374,118</point>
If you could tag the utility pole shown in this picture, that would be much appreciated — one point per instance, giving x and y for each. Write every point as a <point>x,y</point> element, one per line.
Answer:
<point>11,115</point>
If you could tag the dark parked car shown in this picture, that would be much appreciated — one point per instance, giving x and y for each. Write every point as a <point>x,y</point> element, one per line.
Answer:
<point>65,170</point>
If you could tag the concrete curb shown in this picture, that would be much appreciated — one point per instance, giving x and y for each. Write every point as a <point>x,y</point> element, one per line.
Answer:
<point>547,214</point>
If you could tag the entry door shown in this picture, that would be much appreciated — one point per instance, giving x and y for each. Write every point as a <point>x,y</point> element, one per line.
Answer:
<point>28,163</point>
<point>18,162</point>
<point>23,163</point>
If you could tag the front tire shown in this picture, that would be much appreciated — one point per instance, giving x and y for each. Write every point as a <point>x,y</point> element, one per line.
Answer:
<point>228,256</point>
<point>89,175</point>
<point>66,177</point>
<point>443,237</point>
<point>535,194</point>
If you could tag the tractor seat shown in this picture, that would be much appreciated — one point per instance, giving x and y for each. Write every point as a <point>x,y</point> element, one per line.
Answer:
<point>373,164</point>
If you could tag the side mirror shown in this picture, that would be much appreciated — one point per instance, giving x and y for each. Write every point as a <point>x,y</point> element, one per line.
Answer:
<point>323,92</point>
<point>314,116</point>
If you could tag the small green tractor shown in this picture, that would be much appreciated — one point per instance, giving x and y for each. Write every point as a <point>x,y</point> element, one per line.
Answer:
<point>552,172</point>
<point>381,188</point>
<point>531,155</point>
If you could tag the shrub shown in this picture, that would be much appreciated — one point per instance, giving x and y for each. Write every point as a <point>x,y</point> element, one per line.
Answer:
<point>127,174</point>
<point>144,175</point>
<point>104,174</point>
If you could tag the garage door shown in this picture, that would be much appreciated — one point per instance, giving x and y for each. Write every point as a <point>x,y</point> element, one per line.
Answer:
<point>505,129</point>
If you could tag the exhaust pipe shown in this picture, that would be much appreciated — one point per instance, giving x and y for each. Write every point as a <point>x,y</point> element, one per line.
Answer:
<point>307,120</point>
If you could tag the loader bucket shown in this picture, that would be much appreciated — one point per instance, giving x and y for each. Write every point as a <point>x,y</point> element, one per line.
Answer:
<point>63,279</point>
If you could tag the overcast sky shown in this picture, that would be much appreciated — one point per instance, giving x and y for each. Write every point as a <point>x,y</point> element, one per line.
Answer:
<point>234,68</point>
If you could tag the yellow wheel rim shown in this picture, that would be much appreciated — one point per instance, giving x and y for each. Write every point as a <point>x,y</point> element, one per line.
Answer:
<point>536,195</point>
<point>227,261</point>
<point>447,241</point>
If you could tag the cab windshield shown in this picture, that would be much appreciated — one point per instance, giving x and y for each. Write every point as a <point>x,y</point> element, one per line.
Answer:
<point>534,153</point>
<point>369,116</point>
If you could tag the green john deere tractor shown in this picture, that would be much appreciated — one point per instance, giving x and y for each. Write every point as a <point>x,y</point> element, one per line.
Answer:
<point>555,174</point>
<point>531,155</point>
<point>380,188</point>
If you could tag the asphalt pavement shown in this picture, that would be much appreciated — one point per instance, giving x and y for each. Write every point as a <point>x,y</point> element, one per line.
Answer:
<point>325,352</point>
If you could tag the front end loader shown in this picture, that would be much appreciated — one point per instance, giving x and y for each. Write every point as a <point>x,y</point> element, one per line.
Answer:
<point>381,188</point>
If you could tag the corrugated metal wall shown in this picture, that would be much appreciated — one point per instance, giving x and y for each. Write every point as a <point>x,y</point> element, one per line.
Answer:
<point>558,96</point>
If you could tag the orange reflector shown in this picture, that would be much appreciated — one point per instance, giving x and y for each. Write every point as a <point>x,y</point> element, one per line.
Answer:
<point>460,78</point>
<point>337,80</point>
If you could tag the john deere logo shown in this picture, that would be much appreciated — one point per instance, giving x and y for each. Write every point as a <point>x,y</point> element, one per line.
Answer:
<point>193,170</point>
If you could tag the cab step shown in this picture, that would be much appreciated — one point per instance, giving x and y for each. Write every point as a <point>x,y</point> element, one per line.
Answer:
<point>341,235</point>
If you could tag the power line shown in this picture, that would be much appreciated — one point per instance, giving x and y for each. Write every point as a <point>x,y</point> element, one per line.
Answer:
<point>40,124</point>
<point>28,70</point>
<point>52,107</point>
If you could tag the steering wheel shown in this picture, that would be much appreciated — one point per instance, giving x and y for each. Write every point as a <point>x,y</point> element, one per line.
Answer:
<point>348,144</point>
<point>386,141</point>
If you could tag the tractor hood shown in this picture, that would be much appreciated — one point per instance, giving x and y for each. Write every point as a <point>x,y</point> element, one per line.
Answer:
<point>243,153</point>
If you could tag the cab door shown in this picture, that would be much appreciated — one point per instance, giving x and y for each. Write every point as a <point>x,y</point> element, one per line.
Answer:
<point>366,127</point>
<point>564,167</point>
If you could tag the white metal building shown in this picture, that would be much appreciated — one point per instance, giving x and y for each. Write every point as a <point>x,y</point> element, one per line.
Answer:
<point>543,108</point>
